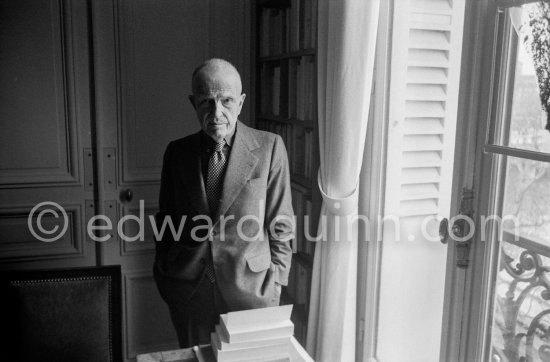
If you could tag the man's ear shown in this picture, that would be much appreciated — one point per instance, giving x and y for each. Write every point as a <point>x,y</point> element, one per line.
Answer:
<point>241,102</point>
<point>192,100</point>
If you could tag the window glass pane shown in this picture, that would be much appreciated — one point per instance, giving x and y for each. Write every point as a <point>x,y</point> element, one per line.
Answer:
<point>528,119</point>
<point>526,199</point>
<point>520,321</point>
<point>521,314</point>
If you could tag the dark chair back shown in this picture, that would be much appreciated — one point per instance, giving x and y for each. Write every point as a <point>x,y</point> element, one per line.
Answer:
<point>62,315</point>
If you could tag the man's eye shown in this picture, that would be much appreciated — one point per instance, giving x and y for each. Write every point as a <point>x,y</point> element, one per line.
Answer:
<point>227,101</point>
<point>206,103</point>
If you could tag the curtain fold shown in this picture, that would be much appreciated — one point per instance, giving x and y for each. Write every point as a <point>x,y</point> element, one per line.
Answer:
<point>345,61</point>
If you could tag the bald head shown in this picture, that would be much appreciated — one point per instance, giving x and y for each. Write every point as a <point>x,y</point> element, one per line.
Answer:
<point>215,69</point>
<point>217,97</point>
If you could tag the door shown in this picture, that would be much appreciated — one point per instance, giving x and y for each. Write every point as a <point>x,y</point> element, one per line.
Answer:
<point>498,303</point>
<point>144,55</point>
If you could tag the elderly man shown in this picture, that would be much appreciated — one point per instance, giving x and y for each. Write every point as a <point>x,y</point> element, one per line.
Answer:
<point>228,187</point>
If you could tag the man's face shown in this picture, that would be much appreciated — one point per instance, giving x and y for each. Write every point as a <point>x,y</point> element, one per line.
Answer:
<point>217,99</point>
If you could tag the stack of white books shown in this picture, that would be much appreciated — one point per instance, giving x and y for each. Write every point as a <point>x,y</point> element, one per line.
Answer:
<point>261,335</point>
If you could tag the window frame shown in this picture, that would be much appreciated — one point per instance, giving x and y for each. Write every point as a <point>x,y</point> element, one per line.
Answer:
<point>465,337</point>
<point>506,41</point>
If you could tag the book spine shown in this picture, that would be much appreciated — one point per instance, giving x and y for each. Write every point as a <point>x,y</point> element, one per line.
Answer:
<point>264,32</point>
<point>276,93</point>
<point>264,97</point>
<point>302,13</point>
<point>284,90</point>
<point>295,25</point>
<point>287,30</point>
<point>313,43</point>
<point>300,89</point>
<point>307,24</point>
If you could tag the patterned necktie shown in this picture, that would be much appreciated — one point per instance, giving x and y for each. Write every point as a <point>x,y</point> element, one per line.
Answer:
<point>214,181</point>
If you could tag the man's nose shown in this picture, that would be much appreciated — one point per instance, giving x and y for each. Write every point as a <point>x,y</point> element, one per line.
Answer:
<point>217,108</point>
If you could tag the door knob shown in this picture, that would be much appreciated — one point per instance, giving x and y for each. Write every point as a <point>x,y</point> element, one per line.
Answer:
<point>126,195</point>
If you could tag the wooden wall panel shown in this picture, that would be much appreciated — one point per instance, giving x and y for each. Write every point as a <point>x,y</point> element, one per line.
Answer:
<point>160,44</point>
<point>132,227</point>
<point>38,138</point>
<point>157,46</point>
<point>23,246</point>
<point>230,29</point>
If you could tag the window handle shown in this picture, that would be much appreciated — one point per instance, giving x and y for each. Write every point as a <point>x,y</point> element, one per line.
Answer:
<point>462,229</point>
<point>444,231</point>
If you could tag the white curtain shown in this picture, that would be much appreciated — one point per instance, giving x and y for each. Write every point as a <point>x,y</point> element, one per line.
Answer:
<point>345,61</point>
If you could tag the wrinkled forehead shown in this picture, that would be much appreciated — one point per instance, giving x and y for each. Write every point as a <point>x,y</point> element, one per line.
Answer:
<point>216,80</point>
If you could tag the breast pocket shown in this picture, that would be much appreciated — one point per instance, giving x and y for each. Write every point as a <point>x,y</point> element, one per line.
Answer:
<point>257,183</point>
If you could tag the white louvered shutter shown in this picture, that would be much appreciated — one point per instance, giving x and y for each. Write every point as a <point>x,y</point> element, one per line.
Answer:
<point>425,68</point>
<point>425,72</point>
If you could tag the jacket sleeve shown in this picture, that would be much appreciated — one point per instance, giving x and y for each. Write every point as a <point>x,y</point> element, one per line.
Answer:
<point>280,220</point>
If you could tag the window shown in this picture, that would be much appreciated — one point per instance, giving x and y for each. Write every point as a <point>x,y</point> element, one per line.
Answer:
<point>520,148</point>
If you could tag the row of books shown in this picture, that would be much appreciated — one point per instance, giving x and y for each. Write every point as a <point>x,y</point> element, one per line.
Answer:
<point>288,29</point>
<point>299,145</point>
<point>264,334</point>
<point>288,89</point>
<point>301,88</point>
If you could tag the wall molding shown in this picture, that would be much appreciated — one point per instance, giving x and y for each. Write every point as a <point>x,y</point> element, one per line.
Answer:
<point>36,250</point>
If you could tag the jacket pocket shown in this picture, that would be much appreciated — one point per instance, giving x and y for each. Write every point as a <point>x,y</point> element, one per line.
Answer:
<point>260,262</point>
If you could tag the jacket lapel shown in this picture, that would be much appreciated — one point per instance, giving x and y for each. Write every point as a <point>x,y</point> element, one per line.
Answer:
<point>191,173</point>
<point>239,168</point>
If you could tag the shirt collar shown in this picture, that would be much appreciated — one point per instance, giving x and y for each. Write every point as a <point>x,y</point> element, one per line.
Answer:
<point>229,139</point>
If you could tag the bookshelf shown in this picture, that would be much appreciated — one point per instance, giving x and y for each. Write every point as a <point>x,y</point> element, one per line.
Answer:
<point>285,71</point>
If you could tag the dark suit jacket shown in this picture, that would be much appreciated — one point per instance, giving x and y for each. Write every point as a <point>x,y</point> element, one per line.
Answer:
<point>256,185</point>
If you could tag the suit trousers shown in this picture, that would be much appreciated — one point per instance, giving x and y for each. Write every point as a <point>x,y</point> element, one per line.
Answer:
<point>195,320</point>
